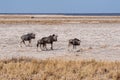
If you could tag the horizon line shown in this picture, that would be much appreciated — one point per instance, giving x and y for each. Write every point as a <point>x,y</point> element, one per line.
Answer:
<point>92,14</point>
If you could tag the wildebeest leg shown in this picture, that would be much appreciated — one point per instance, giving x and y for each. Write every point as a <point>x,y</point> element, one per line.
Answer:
<point>29,43</point>
<point>73,46</point>
<point>51,46</point>
<point>37,45</point>
<point>23,43</point>
<point>44,47</point>
<point>41,46</point>
<point>69,46</point>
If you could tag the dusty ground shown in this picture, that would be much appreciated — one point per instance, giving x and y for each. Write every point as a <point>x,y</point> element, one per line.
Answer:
<point>100,41</point>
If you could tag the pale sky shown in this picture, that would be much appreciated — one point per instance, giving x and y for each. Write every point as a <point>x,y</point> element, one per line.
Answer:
<point>59,6</point>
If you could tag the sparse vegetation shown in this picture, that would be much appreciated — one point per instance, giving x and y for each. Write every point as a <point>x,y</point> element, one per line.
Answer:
<point>51,22</point>
<point>52,69</point>
<point>61,19</point>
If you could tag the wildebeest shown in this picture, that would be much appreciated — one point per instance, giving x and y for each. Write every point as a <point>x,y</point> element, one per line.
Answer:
<point>75,42</point>
<point>46,40</point>
<point>27,37</point>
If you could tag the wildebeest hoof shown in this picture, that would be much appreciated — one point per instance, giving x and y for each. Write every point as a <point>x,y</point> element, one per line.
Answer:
<point>78,51</point>
<point>76,55</point>
<point>51,48</point>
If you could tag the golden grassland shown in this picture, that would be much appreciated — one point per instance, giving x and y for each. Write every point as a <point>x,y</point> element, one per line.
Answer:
<point>58,69</point>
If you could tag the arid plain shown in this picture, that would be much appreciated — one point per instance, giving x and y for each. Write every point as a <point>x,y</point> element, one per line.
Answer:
<point>99,35</point>
<point>97,58</point>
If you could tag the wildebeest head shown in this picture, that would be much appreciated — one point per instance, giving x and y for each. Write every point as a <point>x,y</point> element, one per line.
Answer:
<point>54,37</point>
<point>32,35</point>
<point>76,41</point>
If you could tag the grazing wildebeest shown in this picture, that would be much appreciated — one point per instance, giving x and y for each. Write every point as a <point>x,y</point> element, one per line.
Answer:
<point>27,37</point>
<point>47,40</point>
<point>75,42</point>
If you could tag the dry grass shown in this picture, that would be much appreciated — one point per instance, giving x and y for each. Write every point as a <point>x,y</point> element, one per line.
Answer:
<point>50,22</point>
<point>32,19</point>
<point>30,69</point>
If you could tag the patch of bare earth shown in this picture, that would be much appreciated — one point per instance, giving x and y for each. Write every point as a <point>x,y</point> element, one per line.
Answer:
<point>99,36</point>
